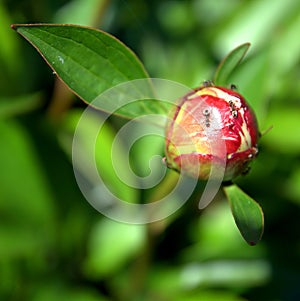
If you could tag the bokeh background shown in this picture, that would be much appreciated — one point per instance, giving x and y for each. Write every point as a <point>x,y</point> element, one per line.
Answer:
<point>55,246</point>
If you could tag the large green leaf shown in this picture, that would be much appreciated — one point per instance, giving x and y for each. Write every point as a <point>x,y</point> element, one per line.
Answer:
<point>229,63</point>
<point>89,61</point>
<point>247,214</point>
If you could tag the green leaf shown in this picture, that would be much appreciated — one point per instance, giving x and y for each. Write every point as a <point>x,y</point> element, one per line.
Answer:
<point>89,61</point>
<point>229,63</point>
<point>9,54</point>
<point>80,12</point>
<point>244,24</point>
<point>111,246</point>
<point>27,201</point>
<point>247,214</point>
<point>11,106</point>
<point>101,149</point>
<point>284,138</point>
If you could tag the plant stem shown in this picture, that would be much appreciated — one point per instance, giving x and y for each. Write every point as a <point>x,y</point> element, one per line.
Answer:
<point>140,269</point>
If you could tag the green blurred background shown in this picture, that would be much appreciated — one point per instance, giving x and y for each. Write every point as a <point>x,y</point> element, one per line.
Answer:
<point>55,246</point>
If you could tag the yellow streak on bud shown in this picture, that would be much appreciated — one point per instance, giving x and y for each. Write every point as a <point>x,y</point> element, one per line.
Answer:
<point>246,141</point>
<point>205,91</point>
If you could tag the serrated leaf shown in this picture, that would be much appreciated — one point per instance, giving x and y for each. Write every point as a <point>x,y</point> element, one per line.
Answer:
<point>229,63</point>
<point>247,214</point>
<point>89,61</point>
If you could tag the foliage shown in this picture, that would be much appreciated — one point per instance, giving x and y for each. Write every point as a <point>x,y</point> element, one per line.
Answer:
<point>54,245</point>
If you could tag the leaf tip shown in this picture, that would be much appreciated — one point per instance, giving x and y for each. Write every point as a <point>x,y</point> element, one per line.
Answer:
<point>14,26</point>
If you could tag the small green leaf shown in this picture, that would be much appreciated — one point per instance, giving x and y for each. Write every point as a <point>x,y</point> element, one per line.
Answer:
<point>229,63</point>
<point>89,61</point>
<point>111,246</point>
<point>247,214</point>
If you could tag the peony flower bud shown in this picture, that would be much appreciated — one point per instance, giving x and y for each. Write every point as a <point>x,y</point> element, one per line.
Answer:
<point>211,127</point>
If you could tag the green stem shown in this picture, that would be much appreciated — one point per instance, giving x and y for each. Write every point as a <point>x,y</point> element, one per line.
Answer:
<point>141,267</point>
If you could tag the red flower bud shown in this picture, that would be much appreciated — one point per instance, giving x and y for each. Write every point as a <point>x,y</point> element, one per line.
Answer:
<point>206,121</point>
